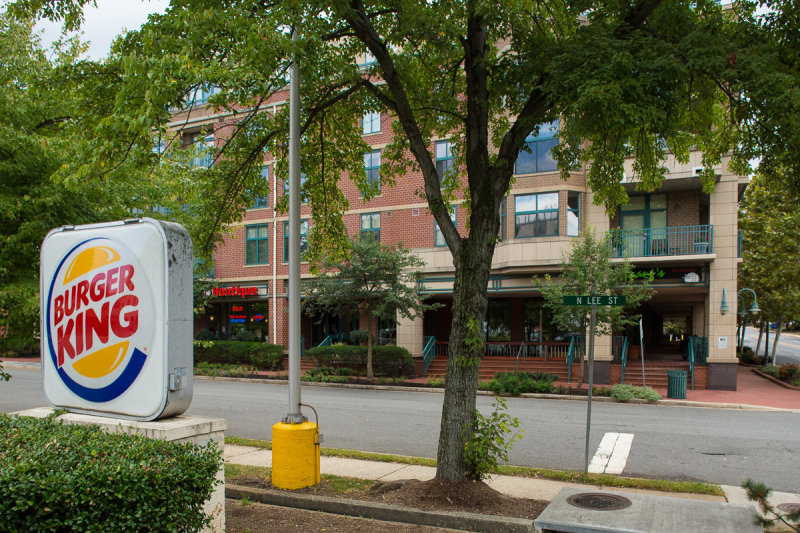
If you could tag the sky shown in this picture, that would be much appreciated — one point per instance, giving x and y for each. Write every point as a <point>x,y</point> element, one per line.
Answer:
<point>105,22</point>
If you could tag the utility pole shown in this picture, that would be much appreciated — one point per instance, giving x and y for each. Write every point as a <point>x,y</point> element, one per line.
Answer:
<point>295,441</point>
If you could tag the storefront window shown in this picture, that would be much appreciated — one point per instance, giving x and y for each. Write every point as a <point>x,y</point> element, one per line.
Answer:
<point>257,319</point>
<point>498,321</point>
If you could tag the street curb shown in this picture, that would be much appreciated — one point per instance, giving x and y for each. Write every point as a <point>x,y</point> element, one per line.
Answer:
<point>8,365</point>
<point>384,511</point>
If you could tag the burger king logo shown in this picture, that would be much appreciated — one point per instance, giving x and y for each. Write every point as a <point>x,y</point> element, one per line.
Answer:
<point>98,319</point>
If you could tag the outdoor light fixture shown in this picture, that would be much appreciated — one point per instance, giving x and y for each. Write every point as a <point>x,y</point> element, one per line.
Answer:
<point>724,308</point>
<point>753,308</point>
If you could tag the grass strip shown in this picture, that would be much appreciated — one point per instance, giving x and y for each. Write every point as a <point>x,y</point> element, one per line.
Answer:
<point>610,480</point>
<point>568,476</point>
<point>338,484</point>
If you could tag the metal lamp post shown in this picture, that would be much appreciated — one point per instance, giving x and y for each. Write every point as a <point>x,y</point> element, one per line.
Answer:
<point>743,313</point>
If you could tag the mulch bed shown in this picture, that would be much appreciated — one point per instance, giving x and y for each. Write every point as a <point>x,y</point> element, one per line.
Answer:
<point>434,495</point>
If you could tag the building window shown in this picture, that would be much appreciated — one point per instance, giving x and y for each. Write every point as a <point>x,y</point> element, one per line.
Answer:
<point>573,213</point>
<point>303,194</point>
<point>444,159</point>
<point>644,211</point>
<point>371,224</point>
<point>537,156</point>
<point>536,215</point>
<point>303,240</point>
<point>371,122</point>
<point>257,245</point>
<point>204,144</point>
<point>438,239</point>
<point>367,60</point>
<point>498,321</point>
<point>372,165</point>
<point>200,95</point>
<point>260,202</point>
<point>503,208</point>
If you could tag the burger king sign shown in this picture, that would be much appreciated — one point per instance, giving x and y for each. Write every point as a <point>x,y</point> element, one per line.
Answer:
<point>116,318</point>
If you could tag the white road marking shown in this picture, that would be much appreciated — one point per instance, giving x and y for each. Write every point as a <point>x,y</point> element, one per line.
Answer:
<point>612,454</point>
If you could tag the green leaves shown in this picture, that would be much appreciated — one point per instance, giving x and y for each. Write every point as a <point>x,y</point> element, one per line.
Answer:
<point>588,269</point>
<point>55,476</point>
<point>770,223</point>
<point>489,441</point>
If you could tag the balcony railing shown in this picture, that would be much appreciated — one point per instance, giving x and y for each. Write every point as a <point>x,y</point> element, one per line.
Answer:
<point>661,242</point>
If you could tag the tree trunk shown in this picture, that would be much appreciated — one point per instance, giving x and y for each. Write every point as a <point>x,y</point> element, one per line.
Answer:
<point>369,346</point>
<point>760,334</point>
<point>467,344</point>
<point>775,340</point>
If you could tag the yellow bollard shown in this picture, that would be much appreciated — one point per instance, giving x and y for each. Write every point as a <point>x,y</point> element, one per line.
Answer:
<point>295,455</point>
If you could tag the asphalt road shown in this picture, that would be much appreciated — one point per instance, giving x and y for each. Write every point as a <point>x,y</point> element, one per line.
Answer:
<point>788,350</point>
<point>715,445</point>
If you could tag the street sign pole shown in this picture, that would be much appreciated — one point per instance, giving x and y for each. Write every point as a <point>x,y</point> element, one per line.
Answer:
<point>591,380</point>
<point>593,301</point>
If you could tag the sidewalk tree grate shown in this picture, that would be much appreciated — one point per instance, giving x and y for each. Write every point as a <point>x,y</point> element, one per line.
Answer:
<point>788,508</point>
<point>599,501</point>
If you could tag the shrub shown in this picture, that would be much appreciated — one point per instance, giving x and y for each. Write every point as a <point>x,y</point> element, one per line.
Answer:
<point>516,383</point>
<point>487,444</point>
<point>222,370</point>
<point>359,336</point>
<point>246,335</point>
<point>261,355</point>
<point>624,393</point>
<point>60,477</point>
<point>392,361</point>
<point>205,335</point>
<point>322,377</point>
<point>771,370</point>
<point>433,381</point>
<point>789,372</point>
<point>748,357</point>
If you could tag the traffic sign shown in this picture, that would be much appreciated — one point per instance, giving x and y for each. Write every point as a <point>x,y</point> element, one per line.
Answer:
<point>587,300</point>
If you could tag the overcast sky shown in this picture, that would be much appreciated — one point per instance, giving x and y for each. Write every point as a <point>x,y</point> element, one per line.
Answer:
<point>105,22</point>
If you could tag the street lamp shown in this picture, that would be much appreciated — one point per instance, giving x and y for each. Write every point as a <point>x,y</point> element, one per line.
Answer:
<point>743,313</point>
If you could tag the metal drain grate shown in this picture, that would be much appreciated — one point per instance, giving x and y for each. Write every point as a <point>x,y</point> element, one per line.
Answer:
<point>787,508</point>
<point>599,501</point>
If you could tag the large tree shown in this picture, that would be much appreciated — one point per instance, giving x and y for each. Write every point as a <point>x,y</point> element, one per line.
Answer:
<point>37,136</point>
<point>633,79</point>
<point>770,222</point>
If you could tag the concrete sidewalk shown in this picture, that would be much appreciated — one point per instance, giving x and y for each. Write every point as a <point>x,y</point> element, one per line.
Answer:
<point>520,487</point>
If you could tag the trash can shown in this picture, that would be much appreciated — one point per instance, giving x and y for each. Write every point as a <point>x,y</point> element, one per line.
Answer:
<point>676,384</point>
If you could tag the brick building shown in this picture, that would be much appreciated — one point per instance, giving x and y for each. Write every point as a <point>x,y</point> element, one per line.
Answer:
<point>687,237</point>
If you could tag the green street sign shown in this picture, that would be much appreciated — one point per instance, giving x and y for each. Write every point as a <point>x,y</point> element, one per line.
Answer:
<point>593,300</point>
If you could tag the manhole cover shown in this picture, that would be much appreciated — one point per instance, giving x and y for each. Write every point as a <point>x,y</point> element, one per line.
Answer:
<point>599,501</point>
<point>788,508</point>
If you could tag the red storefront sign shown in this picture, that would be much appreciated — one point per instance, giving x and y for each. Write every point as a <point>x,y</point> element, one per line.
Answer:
<point>236,290</point>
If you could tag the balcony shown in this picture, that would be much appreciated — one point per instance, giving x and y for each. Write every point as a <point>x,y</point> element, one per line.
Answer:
<point>662,242</point>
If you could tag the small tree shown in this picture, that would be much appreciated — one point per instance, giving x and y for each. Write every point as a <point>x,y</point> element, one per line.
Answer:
<point>588,269</point>
<point>375,279</point>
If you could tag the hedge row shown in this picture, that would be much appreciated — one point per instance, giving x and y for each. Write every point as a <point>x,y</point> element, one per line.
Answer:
<point>393,361</point>
<point>261,355</point>
<point>61,477</point>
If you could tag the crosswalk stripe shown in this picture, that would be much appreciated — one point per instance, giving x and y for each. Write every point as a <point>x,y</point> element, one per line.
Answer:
<point>612,454</point>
